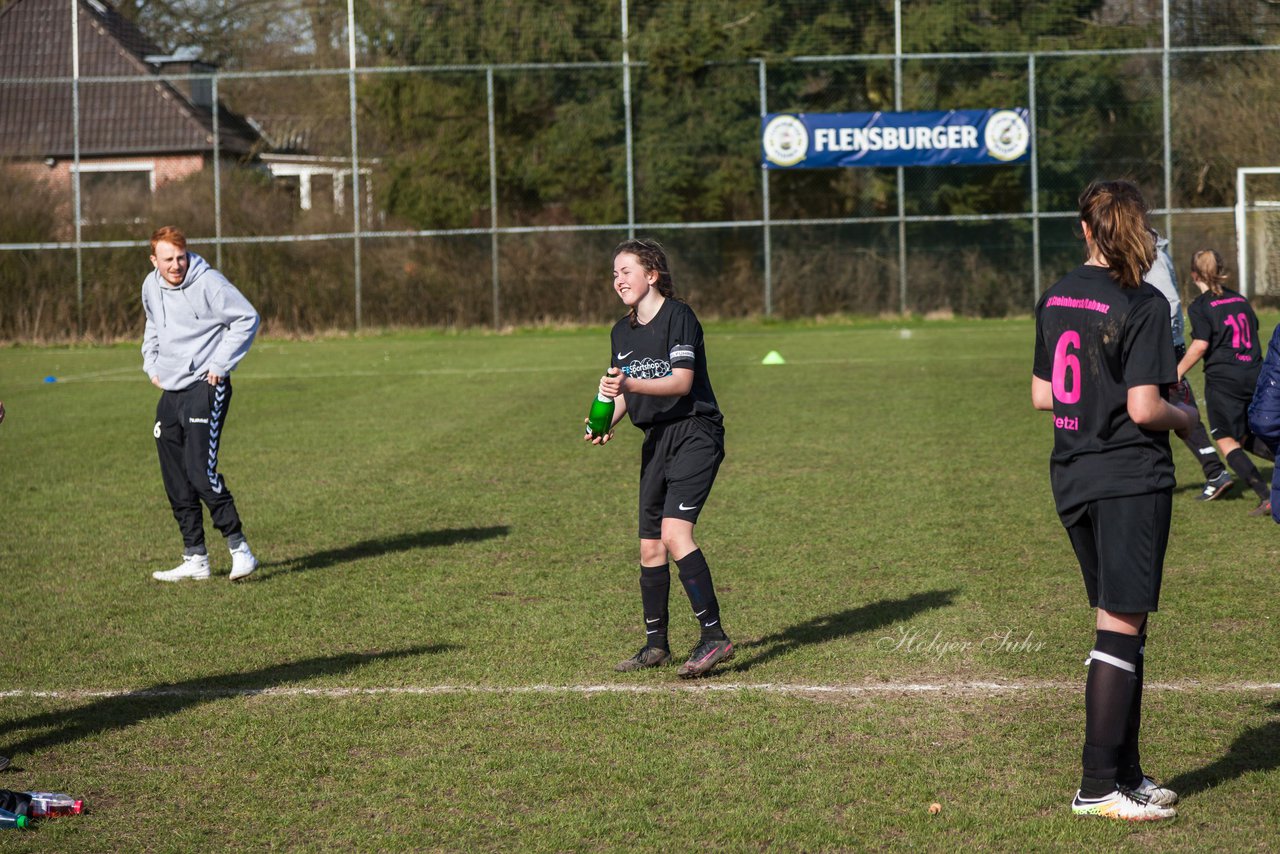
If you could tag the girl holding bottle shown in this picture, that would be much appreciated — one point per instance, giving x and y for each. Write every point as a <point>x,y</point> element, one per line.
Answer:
<point>658,376</point>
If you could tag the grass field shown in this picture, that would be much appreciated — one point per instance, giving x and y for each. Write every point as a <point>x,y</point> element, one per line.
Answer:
<point>425,659</point>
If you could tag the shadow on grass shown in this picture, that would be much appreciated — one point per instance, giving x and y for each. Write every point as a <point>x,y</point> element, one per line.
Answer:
<point>874,615</point>
<point>124,710</point>
<point>1255,749</point>
<point>385,545</point>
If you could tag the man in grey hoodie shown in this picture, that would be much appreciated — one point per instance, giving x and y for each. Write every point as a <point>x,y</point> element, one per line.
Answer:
<point>198,329</point>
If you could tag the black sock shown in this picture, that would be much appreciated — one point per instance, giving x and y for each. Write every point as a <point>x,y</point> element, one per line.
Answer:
<point>1130,763</point>
<point>1199,443</point>
<point>1108,697</point>
<point>1243,466</point>
<point>655,587</point>
<point>695,575</point>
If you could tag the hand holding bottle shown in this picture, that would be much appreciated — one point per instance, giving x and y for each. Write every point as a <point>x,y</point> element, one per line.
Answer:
<point>599,420</point>
<point>611,383</point>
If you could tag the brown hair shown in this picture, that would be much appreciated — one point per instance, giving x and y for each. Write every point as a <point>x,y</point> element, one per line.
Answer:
<point>653,259</point>
<point>168,234</point>
<point>1116,215</point>
<point>1206,265</point>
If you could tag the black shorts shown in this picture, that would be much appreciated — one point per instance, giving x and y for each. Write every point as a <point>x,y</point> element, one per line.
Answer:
<point>1120,543</point>
<point>678,465</point>
<point>1227,403</point>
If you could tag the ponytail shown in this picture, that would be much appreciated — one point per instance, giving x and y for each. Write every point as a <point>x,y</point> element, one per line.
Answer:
<point>1206,265</point>
<point>1116,215</point>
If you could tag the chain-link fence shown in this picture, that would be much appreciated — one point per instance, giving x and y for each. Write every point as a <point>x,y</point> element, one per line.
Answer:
<point>392,165</point>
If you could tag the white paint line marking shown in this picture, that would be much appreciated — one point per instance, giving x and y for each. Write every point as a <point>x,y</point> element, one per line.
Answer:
<point>971,688</point>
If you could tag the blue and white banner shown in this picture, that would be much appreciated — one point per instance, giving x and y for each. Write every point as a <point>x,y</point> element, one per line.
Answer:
<point>940,138</point>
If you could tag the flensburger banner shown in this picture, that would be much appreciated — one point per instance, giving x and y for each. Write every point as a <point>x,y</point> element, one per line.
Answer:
<point>940,138</point>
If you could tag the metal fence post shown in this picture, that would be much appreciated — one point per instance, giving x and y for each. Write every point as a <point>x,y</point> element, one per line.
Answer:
<point>357,199</point>
<point>1168,129</point>
<point>493,198</point>
<point>764,202</point>
<point>75,159</point>
<point>217,181</point>
<point>1241,214</point>
<point>1035,175</point>
<point>902,184</point>
<point>626,110</point>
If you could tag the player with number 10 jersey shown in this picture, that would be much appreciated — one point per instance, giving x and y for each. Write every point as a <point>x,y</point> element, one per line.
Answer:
<point>1226,322</point>
<point>1224,333</point>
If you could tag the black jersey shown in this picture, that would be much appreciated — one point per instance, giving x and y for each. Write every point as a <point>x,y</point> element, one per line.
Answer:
<point>672,339</point>
<point>1228,324</point>
<point>1094,341</point>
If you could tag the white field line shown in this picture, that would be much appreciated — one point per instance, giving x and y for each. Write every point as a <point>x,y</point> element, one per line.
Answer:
<point>134,374</point>
<point>976,688</point>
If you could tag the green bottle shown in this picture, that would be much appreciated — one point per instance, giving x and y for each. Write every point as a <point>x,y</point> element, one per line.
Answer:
<point>600,419</point>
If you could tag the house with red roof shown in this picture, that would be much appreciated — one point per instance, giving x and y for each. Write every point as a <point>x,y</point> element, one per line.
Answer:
<point>144,125</point>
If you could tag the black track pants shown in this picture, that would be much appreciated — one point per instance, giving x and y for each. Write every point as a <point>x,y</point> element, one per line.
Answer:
<point>189,428</point>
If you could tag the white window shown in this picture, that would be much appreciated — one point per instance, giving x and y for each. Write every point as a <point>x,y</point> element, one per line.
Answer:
<point>115,191</point>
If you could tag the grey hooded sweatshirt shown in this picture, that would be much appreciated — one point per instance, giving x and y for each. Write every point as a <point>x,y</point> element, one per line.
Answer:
<point>1165,280</point>
<point>201,326</point>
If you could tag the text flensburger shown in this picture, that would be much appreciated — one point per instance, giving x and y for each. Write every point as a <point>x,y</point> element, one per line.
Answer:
<point>937,138</point>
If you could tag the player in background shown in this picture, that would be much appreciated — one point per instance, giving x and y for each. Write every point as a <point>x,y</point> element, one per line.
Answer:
<point>4,760</point>
<point>1217,478</point>
<point>198,328</point>
<point>1103,364</point>
<point>658,376</point>
<point>1224,330</point>
<point>1264,412</point>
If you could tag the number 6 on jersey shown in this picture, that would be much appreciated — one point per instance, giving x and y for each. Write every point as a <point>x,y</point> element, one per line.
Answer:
<point>1063,361</point>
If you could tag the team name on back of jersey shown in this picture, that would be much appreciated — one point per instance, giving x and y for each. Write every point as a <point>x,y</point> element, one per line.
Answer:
<point>1244,357</point>
<point>1063,422</point>
<point>1227,301</point>
<point>1073,302</point>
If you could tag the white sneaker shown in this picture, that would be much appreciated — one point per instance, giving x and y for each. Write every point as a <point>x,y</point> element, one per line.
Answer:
<point>1121,806</point>
<point>195,567</point>
<point>243,563</point>
<point>1156,794</point>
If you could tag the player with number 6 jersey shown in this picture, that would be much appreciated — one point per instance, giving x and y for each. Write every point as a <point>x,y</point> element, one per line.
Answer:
<point>1224,330</point>
<point>1104,363</point>
<point>1094,340</point>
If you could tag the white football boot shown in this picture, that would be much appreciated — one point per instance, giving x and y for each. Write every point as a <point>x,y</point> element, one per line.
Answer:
<point>1121,805</point>
<point>243,563</point>
<point>193,567</point>
<point>1156,793</point>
